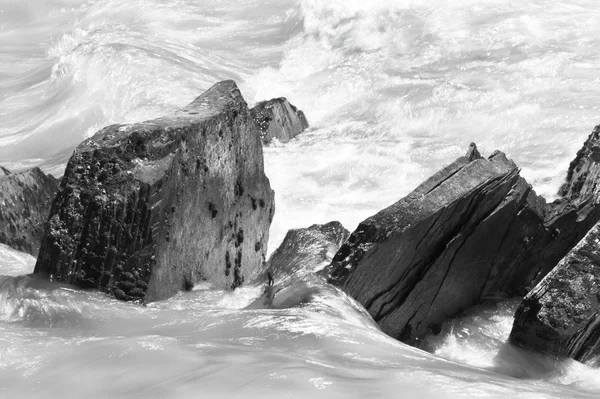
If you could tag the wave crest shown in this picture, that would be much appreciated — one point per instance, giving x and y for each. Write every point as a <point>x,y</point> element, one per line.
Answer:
<point>37,303</point>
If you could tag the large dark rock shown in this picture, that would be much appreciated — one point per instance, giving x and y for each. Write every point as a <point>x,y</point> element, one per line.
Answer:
<point>148,209</point>
<point>561,315</point>
<point>474,230</point>
<point>305,251</point>
<point>277,118</point>
<point>25,200</point>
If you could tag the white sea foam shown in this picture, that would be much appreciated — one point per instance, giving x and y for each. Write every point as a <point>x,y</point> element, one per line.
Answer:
<point>404,87</point>
<point>14,263</point>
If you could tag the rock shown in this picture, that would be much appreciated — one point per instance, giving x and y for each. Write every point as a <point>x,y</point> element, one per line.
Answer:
<point>584,171</point>
<point>277,118</point>
<point>148,209</point>
<point>288,296</point>
<point>474,230</point>
<point>305,251</point>
<point>561,315</point>
<point>293,265</point>
<point>472,153</point>
<point>26,198</point>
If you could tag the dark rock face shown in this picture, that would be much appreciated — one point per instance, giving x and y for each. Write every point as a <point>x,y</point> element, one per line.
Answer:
<point>277,118</point>
<point>306,251</point>
<point>561,315</point>
<point>474,230</point>
<point>148,209</point>
<point>25,200</point>
<point>584,171</point>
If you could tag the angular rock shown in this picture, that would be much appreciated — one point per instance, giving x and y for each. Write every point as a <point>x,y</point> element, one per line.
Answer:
<point>584,171</point>
<point>148,209</point>
<point>474,230</point>
<point>306,251</point>
<point>561,315</point>
<point>277,118</point>
<point>25,200</point>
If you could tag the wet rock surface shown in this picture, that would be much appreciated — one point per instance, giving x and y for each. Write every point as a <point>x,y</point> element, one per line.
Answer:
<point>306,251</point>
<point>25,200</point>
<point>292,294</point>
<point>561,315</point>
<point>148,209</point>
<point>277,118</point>
<point>474,230</point>
<point>583,175</point>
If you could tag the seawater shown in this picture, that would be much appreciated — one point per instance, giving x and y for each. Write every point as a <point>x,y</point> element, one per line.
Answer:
<point>393,90</point>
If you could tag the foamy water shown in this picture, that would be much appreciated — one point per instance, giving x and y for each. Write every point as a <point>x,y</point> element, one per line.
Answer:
<point>393,90</point>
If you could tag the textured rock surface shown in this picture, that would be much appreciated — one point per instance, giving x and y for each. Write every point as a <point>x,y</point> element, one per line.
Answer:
<point>277,118</point>
<point>306,251</point>
<point>148,209</point>
<point>583,175</point>
<point>474,230</point>
<point>25,200</point>
<point>561,315</point>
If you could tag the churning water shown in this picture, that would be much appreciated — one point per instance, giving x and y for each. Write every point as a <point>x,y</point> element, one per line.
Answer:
<point>393,91</point>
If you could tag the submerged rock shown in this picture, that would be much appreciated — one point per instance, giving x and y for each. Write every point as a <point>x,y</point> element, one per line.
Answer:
<point>306,251</point>
<point>25,199</point>
<point>277,118</point>
<point>286,296</point>
<point>474,230</point>
<point>293,265</point>
<point>148,209</point>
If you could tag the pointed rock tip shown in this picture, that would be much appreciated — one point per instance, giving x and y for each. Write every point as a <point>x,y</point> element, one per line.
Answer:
<point>500,159</point>
<point>497,154</point>
<point>216,97</point>
<point>223,87</point>
<point>472,153</point>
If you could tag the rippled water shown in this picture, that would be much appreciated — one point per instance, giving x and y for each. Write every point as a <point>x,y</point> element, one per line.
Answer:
<point>393,91</point>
